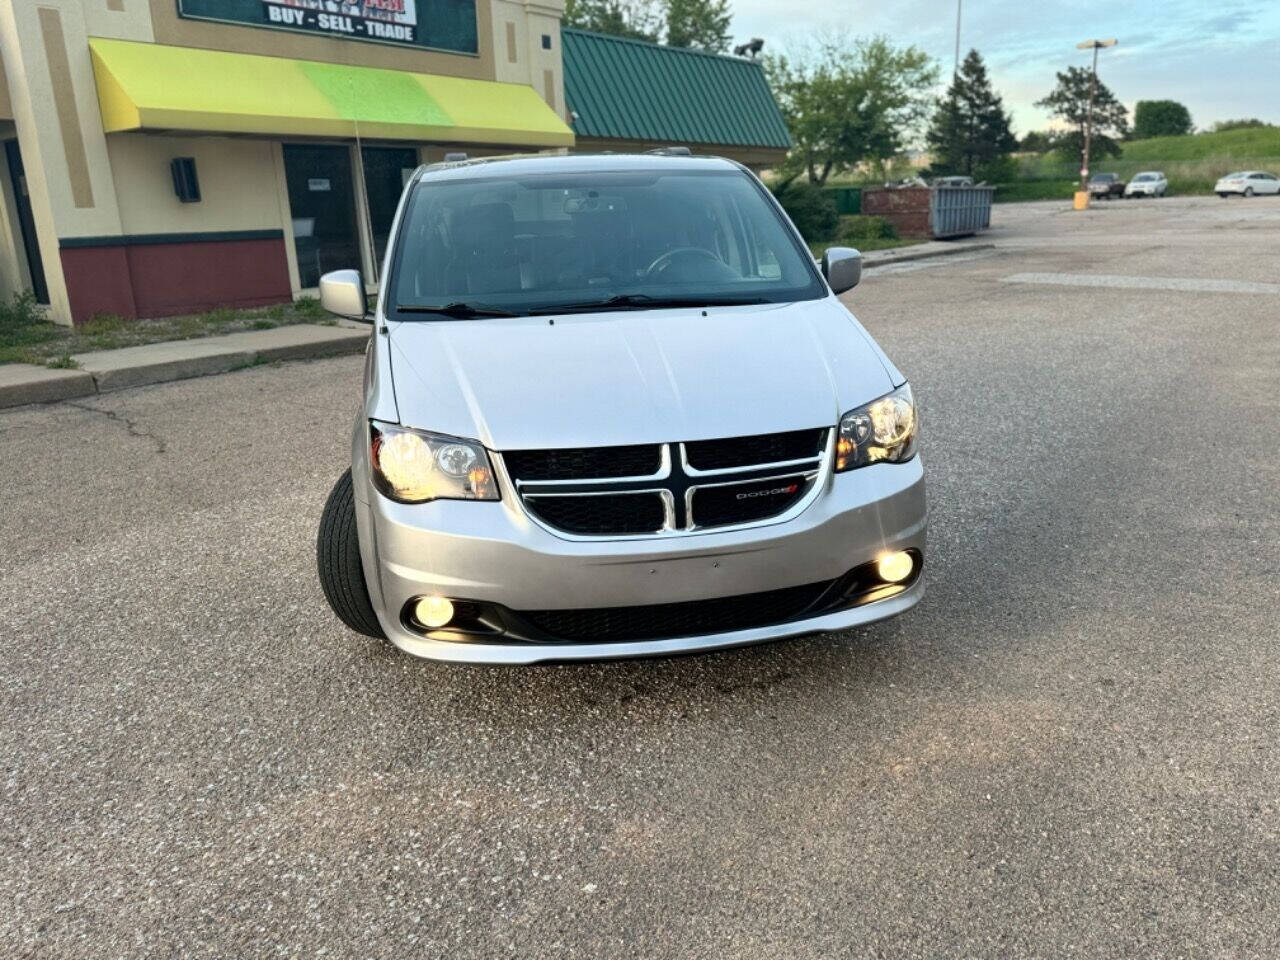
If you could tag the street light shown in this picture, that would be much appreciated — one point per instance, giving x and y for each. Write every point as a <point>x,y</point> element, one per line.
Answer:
<point>1095,46</point>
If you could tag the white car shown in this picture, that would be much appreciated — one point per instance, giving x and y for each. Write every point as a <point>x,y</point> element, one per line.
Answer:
<point>1152,183</point>
<point>1248,183</point>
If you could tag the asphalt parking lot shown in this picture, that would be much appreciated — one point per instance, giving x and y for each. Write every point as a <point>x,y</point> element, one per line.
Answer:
<point>1069,749</point>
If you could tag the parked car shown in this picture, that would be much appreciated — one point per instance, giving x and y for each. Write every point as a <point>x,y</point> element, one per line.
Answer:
<point>1106,186</point>
<point>953,182</point>
<point>1247,183</point>
<point>612,407</point>
<point>1151,183</point>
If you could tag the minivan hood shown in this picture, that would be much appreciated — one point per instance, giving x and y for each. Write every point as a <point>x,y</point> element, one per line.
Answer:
<point>625,377</point>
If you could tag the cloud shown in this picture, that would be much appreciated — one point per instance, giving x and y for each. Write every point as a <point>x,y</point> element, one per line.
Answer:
<point>1170,50</point>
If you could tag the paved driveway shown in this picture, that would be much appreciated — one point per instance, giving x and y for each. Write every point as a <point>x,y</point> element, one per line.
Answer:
<point>1069,749</point>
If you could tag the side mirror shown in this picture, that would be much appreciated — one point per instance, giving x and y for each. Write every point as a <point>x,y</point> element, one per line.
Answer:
<point>342,294</point>
<point>842,266</point>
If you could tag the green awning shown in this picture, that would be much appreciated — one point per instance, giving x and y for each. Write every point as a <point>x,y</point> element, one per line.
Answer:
<point>150,86</point>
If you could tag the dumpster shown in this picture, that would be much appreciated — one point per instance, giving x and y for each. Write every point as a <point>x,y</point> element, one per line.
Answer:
<point>936,212</point>
<point>960,211</point>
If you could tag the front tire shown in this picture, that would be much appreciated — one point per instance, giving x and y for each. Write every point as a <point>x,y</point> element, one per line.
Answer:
<point>338,562</point>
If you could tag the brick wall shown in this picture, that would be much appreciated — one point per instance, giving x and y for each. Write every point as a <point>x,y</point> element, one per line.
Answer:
<point>907,209</point>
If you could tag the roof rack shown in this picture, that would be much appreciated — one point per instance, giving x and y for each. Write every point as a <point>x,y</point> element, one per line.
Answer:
<point>670,152</point>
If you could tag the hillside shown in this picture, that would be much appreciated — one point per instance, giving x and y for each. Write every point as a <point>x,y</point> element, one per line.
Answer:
<point>1251,142</point>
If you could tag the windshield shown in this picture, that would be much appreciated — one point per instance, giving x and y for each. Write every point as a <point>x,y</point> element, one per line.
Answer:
<point>1103,177</point>
<point>1143,177</point>
<point>1234,176</point>
<point>539,243</point>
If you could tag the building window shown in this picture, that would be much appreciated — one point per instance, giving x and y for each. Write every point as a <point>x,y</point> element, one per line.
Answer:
<point>546,41</point>
<point>322,207</point>
<point>386,171</point>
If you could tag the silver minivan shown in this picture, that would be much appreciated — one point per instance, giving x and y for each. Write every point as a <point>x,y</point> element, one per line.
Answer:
<point>612,408</point>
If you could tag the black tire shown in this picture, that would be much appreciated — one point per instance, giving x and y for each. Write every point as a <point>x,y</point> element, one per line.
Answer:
<point>338,562</point>
<point>1248,191</point>
<point>1223,196</point>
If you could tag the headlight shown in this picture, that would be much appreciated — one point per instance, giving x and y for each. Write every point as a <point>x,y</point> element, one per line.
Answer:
<point>883,430</point>
<point>413,467</point>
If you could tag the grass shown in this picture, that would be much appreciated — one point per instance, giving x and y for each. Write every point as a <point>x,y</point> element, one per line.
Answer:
<point>1047,189</point>
<point>1255,142</point>
<point>1192,163</point>
<point>27,337</point>
<point>865,244</point>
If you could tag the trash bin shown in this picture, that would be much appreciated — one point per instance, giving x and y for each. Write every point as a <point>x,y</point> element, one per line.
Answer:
<point>959,211</point>
<point>936,212</point>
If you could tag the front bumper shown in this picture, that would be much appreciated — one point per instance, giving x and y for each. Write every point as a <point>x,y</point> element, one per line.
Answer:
<point>494,553</point>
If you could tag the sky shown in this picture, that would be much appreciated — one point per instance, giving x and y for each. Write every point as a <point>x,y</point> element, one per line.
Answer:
<point>1220,59</point>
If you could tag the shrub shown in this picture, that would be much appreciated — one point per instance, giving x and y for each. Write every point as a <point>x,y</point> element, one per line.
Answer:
<point>862,228</point>
<point>20,311</point>
<point>811,209</point>
<point>997,170</point>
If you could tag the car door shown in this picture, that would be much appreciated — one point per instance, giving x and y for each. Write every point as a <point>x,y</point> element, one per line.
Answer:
<point>1270,183</point>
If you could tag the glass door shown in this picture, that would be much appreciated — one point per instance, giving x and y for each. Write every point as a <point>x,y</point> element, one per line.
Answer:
<point>322,206</point>
<point>386,171</point>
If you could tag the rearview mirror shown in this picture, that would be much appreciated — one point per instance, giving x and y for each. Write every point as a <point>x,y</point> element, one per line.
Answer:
<point>842,266</point>
<point>342,294</point>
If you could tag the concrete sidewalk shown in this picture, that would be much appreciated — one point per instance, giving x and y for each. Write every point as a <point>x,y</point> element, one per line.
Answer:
<point>108,370</point>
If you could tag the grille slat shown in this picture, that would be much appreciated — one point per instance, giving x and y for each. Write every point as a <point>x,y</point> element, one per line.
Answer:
<point>745,451</point>
<point>604,514</point>
<point>669,620</point>
<point>585,462</point>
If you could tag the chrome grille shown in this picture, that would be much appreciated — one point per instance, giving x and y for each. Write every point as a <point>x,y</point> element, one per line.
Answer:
<point>732,482</point>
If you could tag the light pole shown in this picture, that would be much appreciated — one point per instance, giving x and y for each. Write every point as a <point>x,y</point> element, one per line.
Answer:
<point>1094,45</point>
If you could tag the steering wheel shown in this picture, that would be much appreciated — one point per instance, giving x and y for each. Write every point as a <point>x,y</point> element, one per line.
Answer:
<point>665,260</point>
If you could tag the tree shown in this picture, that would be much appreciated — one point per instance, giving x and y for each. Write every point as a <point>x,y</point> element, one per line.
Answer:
<point>702,24</point>
<point>636,19</point>
<point>1070,101</point>
<point>1243,124</point>
<point>1160,118</point>
<point>970,128</point>
<point>846,102</point>
<point>1038,141</point>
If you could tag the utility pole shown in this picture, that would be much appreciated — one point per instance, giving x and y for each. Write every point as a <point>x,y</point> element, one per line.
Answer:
<point>1095,45</point>
<point>956,69</point>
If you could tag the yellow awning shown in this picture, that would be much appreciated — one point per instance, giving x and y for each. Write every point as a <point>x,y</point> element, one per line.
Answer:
<point>150,86</point>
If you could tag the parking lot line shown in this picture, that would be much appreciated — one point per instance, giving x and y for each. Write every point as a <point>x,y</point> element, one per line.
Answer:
<point>1182,284</point>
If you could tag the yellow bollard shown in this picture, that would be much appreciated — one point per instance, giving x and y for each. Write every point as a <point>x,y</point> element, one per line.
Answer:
<point>1082,200</point>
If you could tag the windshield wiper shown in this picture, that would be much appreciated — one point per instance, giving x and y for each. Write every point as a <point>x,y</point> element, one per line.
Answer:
<point>643,301</point>
<point>458,309</point>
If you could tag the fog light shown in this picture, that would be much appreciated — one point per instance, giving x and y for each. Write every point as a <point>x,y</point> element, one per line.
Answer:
<point>433,611</point>
<point>895,567</point>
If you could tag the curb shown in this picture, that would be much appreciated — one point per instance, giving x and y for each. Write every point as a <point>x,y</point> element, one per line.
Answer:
<point>21,383</point>
<point>909,254</point>
<point>108,370</point>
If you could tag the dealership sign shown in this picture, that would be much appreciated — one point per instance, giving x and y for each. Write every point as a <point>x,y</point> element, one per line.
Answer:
<point>439,24</point>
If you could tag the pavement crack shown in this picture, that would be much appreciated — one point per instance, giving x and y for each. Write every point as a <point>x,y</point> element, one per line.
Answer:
<point>131,426</point>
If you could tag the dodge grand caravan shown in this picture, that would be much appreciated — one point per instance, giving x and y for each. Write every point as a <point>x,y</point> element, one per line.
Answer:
<point>613,408</point>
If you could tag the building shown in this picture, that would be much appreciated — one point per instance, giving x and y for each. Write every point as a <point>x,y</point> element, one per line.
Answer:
<point>168,156</point>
